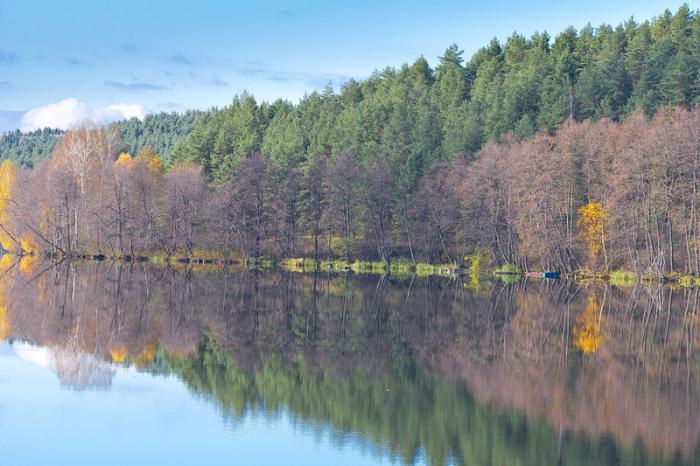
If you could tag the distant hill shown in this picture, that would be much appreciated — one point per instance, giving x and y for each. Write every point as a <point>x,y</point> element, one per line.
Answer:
<point>27,149</point>
<point>161,131</point>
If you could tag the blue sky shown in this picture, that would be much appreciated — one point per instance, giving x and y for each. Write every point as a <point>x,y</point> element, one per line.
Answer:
<point>174,55</point>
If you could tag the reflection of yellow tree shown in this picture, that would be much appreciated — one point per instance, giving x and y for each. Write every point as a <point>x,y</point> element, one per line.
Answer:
<point>145,356</point>
<point>588,329</point>
<point>29,244</point>
<point>142,359</point>
<point>6,264</point>
<point>5,324</point>
<point>27,265</point>
<point>118,354</point>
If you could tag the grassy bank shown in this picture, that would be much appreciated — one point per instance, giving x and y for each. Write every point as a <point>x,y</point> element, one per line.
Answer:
<point>472,266</point>
<point>394,268</point>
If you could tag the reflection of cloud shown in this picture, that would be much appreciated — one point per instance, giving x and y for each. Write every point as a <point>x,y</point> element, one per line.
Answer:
<point>76,370</point>
<point>180,59</point>
<point>71,111</point>
<point>34,354</point>
<point>8,56</point>
<point>81,371</point>
<point>134,87</point>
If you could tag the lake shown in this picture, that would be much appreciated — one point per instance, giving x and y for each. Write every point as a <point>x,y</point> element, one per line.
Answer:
<point>136,364</point>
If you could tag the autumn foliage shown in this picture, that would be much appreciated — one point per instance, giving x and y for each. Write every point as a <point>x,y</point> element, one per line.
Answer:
<point>8,176</point>
<point>592,223</point>
<point>602,195</point>
<point>588,331</point>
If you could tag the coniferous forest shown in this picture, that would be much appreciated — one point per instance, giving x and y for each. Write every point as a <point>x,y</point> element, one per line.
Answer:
<point>580,152</point>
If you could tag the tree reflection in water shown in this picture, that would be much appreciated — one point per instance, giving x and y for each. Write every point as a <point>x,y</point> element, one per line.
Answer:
<point>519,373</point>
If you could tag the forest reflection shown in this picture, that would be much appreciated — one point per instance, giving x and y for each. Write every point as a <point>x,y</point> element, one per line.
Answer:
<point>531,372</point>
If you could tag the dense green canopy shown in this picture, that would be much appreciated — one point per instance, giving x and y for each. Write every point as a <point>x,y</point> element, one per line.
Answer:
<point>416,114</point>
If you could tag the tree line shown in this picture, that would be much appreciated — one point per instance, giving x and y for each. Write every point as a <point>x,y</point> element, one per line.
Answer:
<point>416,115</point>
<point>599,195</point>
<point>412,164</point>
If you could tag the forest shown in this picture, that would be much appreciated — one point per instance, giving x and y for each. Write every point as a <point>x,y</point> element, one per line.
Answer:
<point>578,153</point>
<point>159,130</point>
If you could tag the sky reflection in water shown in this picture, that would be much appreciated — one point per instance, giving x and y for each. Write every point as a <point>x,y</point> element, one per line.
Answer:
<point>204,367</point>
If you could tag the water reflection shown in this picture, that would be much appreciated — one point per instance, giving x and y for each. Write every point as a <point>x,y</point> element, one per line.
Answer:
<point>428,368</point>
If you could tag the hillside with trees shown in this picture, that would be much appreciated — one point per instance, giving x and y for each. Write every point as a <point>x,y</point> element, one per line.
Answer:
<point>577,153</point>
<point>416,115</point>
<point>28,149</point>
<point>160,131</point>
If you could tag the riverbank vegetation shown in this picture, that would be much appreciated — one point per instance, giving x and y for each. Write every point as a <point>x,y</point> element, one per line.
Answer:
<point>578,155</point>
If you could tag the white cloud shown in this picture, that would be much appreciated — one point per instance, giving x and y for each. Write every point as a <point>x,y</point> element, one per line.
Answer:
<point>57,115</point>
<point>116,112</point>
<point>71,111</point>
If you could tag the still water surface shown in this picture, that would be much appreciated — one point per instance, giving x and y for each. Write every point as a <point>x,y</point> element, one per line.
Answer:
<point>108,364</point>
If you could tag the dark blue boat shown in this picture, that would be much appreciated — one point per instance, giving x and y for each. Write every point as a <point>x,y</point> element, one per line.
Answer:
<point>553,275</point>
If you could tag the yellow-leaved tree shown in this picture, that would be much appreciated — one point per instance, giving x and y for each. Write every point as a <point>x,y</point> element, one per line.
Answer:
<point>150,159</point>
<point>155,164</point>
<point>592,221</point>
<point>8,177</point>
<point>125,161</point>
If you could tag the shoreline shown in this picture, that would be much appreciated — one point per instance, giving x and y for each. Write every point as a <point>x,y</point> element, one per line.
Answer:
<point>506,273</point>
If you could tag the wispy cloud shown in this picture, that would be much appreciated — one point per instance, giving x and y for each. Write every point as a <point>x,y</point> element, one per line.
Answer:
<point>335,80</point>
<point>285,14</point>
<point>135,86</point>
<point>310,79</point>
<point>76,62</point>
<point>180,59</point>
<point>271,75</point>
<point>169,105</point>
<point>8,57</point>
<point>213,80</point>
<point>6,85</point>
<point>194,77</point>
<point>131,48</point>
